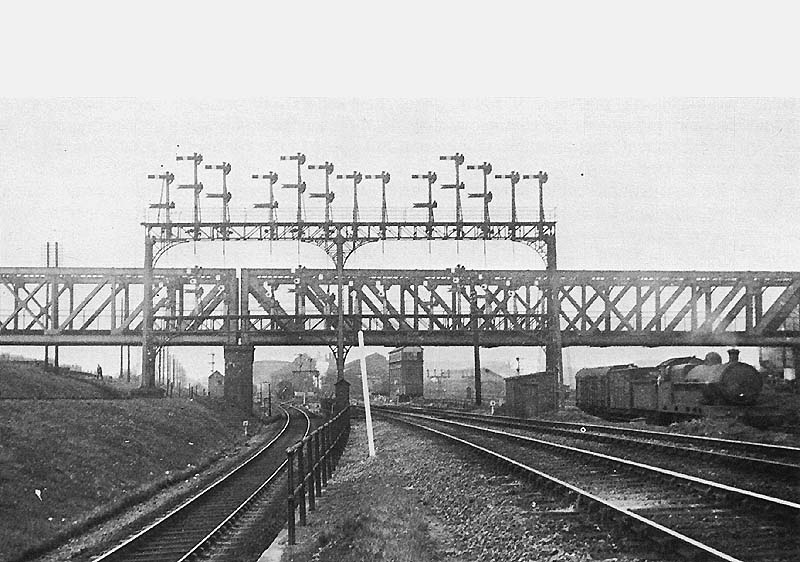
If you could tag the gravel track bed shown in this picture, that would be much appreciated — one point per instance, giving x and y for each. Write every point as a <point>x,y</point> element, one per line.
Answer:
<point>745,532</point>
<point>783,486</point>
<point>470,509</point>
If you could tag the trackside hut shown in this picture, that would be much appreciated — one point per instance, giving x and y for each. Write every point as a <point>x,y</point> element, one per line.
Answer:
<point>216,385</point>
<point>531,395</point>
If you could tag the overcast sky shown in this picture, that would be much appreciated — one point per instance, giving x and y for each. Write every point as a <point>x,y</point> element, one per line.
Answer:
<point>94,99</point>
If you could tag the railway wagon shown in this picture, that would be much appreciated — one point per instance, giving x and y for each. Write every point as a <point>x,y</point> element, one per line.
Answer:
<point>593,389</point>
<point>624,385</point>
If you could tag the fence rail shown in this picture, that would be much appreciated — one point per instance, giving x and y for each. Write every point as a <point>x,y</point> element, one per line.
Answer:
<point>310,464</point>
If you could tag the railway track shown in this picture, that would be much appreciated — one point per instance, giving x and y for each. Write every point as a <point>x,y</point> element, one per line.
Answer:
<point>780,462</point>
<point>692,516</point>
<point>194,526</point>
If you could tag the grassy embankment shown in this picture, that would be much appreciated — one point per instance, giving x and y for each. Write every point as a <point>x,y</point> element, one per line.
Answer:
<point>65,463</point>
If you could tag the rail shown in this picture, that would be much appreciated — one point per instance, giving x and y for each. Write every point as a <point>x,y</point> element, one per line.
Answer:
<point>212,510</point>
<point>662,522</point>
<point>310,463</point>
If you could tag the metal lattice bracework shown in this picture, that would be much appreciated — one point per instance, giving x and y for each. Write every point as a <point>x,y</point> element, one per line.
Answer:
<point>106,306</point>
<point>540,236</point>
<point>513,307</point>
<point>391,307</point>
<point>444,307</point>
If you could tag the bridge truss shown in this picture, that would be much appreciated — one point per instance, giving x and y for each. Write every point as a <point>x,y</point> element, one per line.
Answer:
<point>75,306</point>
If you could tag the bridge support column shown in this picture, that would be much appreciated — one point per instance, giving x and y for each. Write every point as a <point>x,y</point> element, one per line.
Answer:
<point>148,349</point>
<point>340,353</point>
<point>238,389</point>
<point>477,349</point>
<point>795,363</point>
<point>552,351</point>
<point>342,394</point>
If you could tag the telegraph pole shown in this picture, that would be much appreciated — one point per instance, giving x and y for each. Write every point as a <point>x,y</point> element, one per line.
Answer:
<point>47,316</point>
<point>148,372</point>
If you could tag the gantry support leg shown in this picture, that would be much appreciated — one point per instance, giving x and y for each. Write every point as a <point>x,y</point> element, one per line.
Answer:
<point>340,353</point>
<point>552,352</point>
<point>477,349</point>
<point>238,389</point>
<point>342,394</point>
<point>148,348</point>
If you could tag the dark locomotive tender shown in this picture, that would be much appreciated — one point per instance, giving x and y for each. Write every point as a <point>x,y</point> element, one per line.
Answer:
<point>679,388</point>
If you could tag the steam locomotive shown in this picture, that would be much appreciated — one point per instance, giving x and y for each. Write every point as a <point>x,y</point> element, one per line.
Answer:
<point>678,388</point>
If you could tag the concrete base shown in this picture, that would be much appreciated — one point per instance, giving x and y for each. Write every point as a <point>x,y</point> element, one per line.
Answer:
<point>238,388</point>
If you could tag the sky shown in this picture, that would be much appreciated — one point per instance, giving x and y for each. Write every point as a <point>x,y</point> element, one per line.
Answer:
<point>661,153</point>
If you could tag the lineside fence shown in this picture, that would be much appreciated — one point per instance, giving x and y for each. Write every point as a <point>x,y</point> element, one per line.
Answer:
<point>311,463</point>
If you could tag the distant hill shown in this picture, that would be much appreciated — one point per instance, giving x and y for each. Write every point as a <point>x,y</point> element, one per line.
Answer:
<point>29,379</point>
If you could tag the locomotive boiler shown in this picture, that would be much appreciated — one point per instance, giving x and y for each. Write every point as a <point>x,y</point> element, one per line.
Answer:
<point>678,388</point>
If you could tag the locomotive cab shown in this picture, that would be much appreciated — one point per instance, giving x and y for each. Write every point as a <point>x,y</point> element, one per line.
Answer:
<point>673,396</point>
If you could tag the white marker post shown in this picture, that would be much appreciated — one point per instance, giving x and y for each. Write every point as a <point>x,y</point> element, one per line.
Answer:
<point>365,391</point>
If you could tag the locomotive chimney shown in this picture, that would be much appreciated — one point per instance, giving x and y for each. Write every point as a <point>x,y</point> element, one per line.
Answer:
<point>733,355</point>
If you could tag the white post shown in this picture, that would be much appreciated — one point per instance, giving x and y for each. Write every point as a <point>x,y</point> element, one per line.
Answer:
<point>365,391</point>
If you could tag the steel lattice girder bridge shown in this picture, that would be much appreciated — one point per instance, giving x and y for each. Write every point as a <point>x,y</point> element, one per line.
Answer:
<point>76,306</point>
